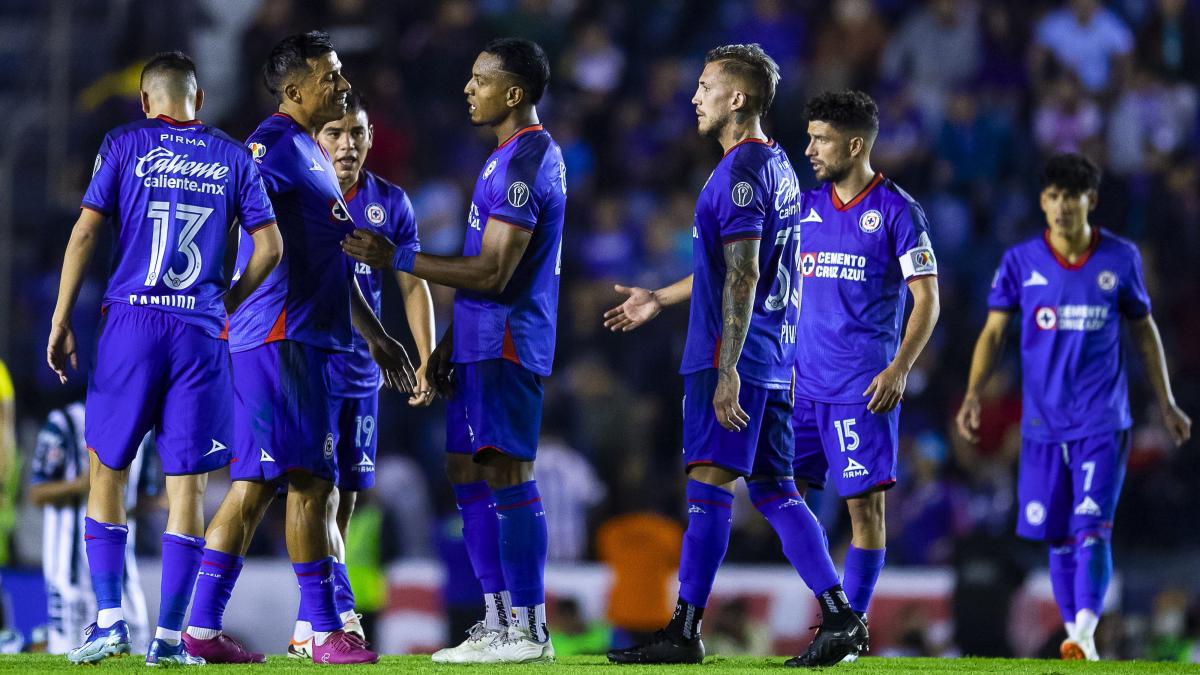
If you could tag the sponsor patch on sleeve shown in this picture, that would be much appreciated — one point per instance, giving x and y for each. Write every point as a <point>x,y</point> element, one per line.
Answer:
<point>918,262</point>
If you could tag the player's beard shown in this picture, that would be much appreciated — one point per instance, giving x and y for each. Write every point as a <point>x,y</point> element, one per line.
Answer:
<point>718,125</point>
<point>835,174</point>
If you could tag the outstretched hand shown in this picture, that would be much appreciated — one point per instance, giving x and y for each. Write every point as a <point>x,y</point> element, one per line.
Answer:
<point>60,351</point>
<point>641,306</point>
<point>369,247</point>
<point>394,362</point>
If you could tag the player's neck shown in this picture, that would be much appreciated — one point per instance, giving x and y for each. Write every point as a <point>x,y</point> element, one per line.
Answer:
<point>302,118</point>
<point>1073,243</point>
<point>179,113</point>
<point>515,122</point>
<point>346,184</point>
<point>855,182</point>
<point>735,133</point>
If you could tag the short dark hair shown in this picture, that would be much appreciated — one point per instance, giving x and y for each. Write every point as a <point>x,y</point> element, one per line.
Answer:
<point>525,60</point>
<point>1071,172</point>
<point>356,102</point>
<point>752,65</point>
<point>290,56</point>
<point>848,110</point>
<point>170,63</point>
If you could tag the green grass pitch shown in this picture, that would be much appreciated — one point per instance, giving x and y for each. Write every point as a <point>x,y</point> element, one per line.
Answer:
<point>584,665</point>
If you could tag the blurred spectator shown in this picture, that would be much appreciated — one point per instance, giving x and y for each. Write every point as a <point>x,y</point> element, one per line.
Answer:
<point>733,631</point>
<point>642,550</point>
<point>935,50</point>
<point>1066,120</point>
<point>1148,123</point>
<point>847,47</point>
<point>10,464</point>
<point>573,635</point>
<point>570,489</point>
<point>1166,44</point>
<point>1087,39</point>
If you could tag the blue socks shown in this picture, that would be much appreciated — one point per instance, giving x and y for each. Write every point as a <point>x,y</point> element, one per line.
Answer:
<point>343,595</point>
<point>214,585</point>
<point>1093,570</point>
<point>710,518</point>
<point>860,573</point>
<point>181,557</point>
<point>481,533</point>
<point>105,544</point>
<point>316,594</point>
<point>523,543</point>
<point>1062,578</point>
<point>802,536</point>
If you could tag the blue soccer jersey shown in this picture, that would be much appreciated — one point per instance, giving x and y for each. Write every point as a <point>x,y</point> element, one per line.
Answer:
<point>306,298</point>
<point>173,189</point>
<point>855,259</point>
<point>523,185</point>
<point>752,194</point>
<point>377,205</point>
<point>1072,363</point>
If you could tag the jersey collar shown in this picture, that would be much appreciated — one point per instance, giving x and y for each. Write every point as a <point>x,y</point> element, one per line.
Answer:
<point>770,143</point>
<point>837,201</point>
<point>176,123</point>
<point>518,132</point>
<point>353,191</point>
<point>1083,258</point>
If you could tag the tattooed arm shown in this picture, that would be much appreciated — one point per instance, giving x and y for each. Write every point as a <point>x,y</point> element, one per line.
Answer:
<point>737,306</point>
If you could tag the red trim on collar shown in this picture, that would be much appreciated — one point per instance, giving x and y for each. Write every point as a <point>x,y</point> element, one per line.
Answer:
<point>353,191</point>
<point>1087,254</point>
<point>174,122</point>
<point>770,143</point>
<point>837,201</point>
<point>518,132</point>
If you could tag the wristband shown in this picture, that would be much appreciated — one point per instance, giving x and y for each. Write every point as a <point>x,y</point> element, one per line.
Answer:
<point>404,259</point>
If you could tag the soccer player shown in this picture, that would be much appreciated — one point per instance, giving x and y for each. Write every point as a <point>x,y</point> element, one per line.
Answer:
<point>1070,286</point>
<point>863,240</point>
<point>738,360</point>
<point>356,378</point>
<point>173,186</point>
<point>58,482</point>
<point>281,339</point>
<point>500,346</point>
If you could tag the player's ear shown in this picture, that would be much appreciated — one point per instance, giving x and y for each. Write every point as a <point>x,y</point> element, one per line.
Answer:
<point>291,92</point>
<point>145,102</point>
<point>739,101</point>
<point>515,96</point>
<point>199,99</point>
<point>1093,198</point>
<point>370,134</point>
<point>857,145</point>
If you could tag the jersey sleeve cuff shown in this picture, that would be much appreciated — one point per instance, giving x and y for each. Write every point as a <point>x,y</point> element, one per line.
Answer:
<point>914,277</point>
<point>512,223</point>
<point>1002,308</point>
<point>255,228</point>
<point>404,259</point>
<point>95,207</point>
<point>740,236</point>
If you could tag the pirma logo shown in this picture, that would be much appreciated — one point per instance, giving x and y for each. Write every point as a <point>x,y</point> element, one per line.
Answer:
<point>870,221</point>
<point>742,194</point>
<point>375,213</point>
<point>518,194</point>
<point>1046,318</point>
<point>854,469</point>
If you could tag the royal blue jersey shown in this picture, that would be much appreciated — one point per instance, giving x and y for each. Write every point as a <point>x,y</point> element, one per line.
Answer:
<point>306,298</point>
<point>173,189</point>
<point>1072,362</point>
<point>523,185</point>
<point>752,194</point>
<point>376,205</point>
<point>855,260</point>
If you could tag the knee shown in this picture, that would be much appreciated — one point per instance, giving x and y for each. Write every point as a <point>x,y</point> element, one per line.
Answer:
<point>462,469</point>
<point>770,495</point>
<point>866,512</point>
<point>313,495</point>
<point>504,471</point>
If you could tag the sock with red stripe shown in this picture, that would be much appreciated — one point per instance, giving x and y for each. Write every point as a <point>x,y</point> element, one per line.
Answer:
<point>799,531</point>
<point>523,544</point>
<point>710,518</point>
<point>1093,569</point>
<point>105,545</point>
<point>317,604</point>
<point>181,556</point>
<point>214,585</point>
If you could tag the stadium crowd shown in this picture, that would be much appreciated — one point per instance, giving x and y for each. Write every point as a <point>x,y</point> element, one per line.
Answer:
<point>972,95</point>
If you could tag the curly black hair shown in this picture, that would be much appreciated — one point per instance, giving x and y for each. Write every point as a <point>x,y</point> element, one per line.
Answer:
<point>1071,172</point>
<point>847,110</point>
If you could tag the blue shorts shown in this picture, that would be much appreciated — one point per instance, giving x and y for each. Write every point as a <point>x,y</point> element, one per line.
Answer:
<point>284,416</point>
<point>496,405</point>
<point>1071,487</point>
<point>153,371</point>
<point>860,446</point>
<point>763,448</point>
<point>358,437</point>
